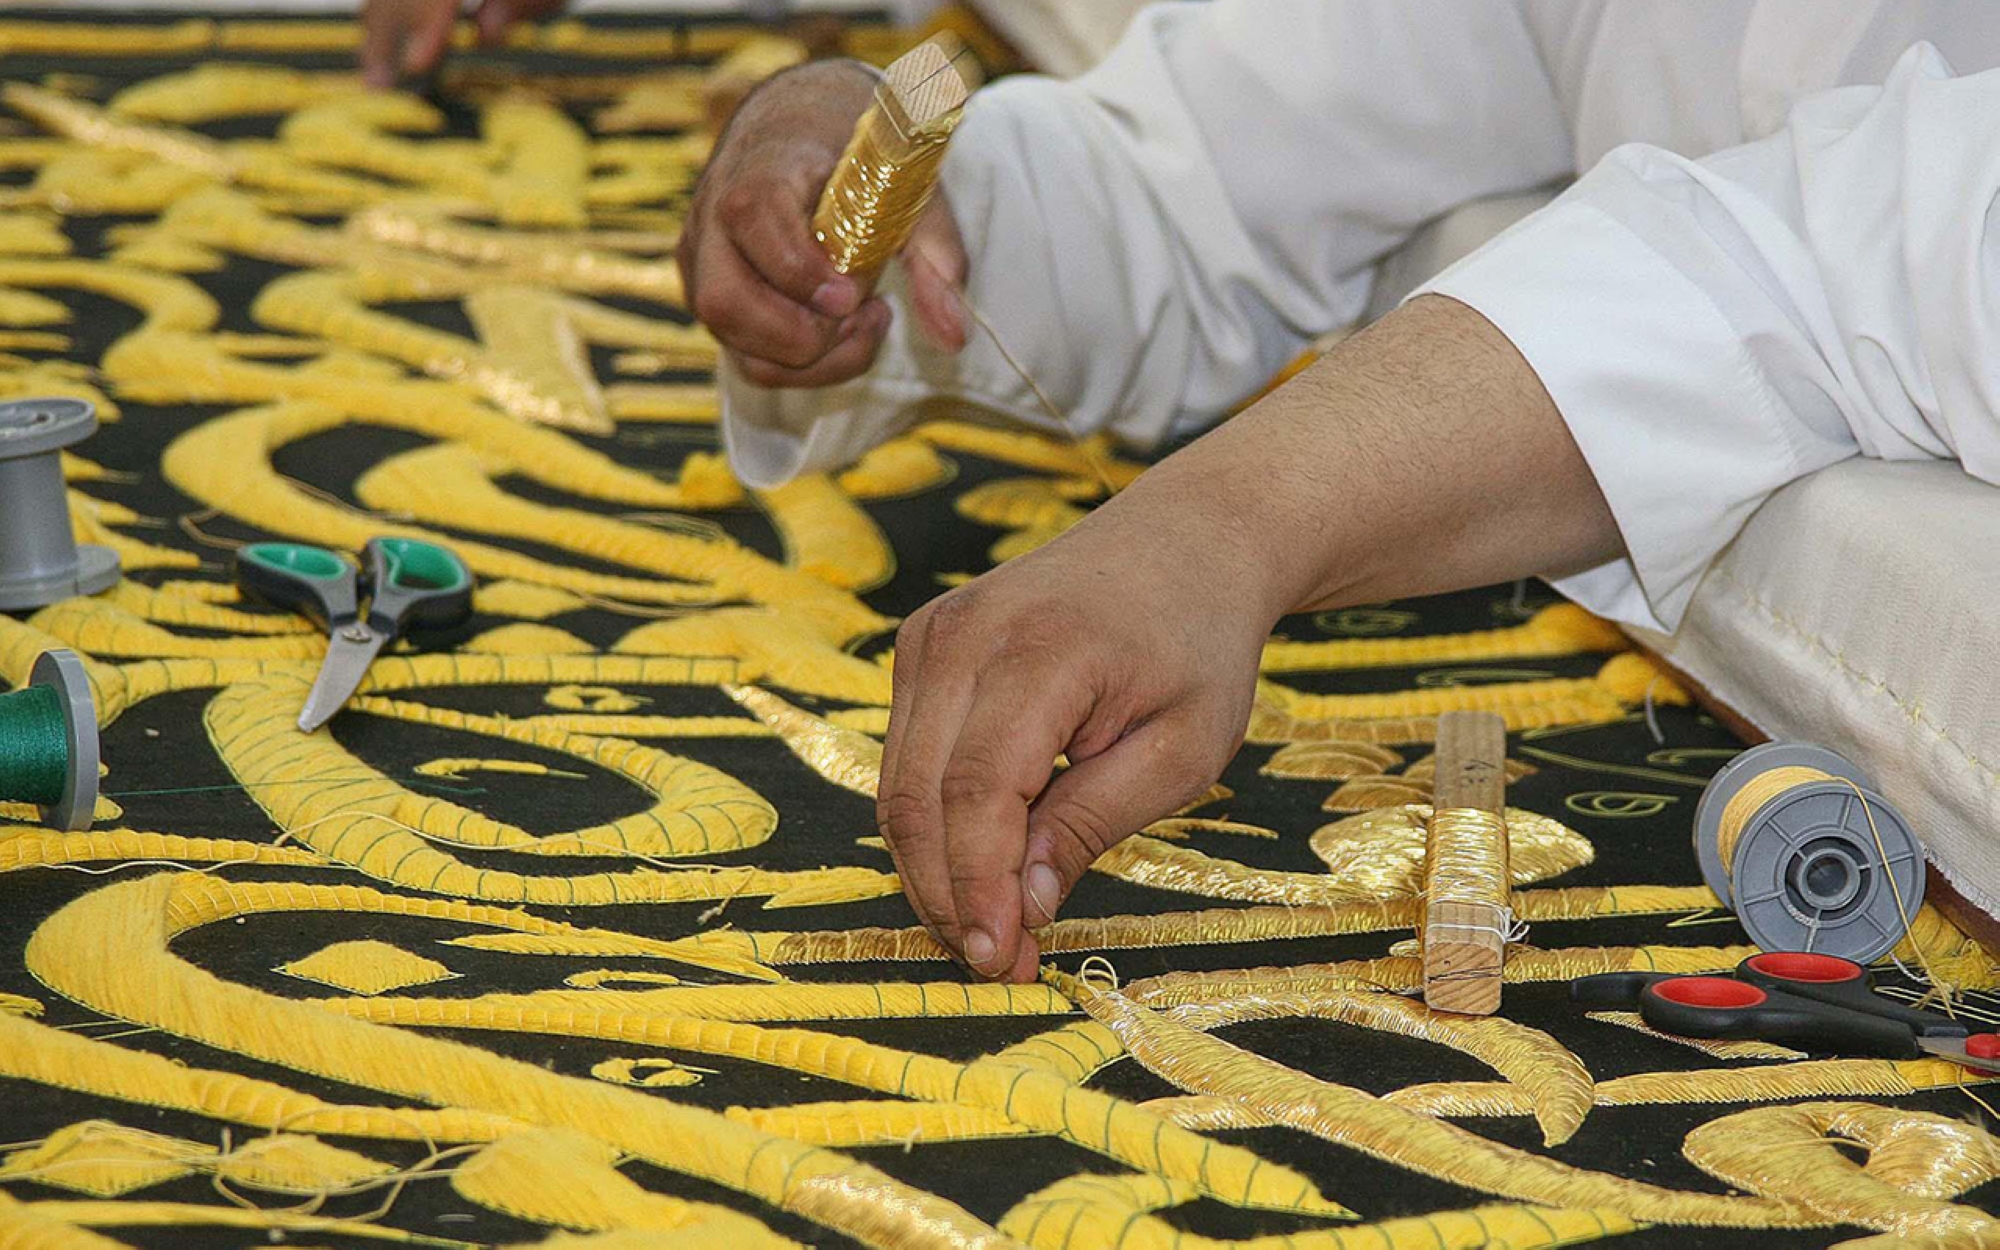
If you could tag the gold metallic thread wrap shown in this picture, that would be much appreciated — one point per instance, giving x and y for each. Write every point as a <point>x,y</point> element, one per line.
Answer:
<point>886,177</point>
<point>1467,862</point>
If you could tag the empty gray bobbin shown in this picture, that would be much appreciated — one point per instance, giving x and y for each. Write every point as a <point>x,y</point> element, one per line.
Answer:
<point>1807,874</point>
<point>63,671</point>
<point>40,561</point>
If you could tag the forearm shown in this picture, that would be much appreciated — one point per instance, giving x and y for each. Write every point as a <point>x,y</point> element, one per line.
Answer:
<point>1420,456</point>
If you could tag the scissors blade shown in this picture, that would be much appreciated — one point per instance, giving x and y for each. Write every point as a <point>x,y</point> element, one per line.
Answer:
<point>1953,1048</point>
<point>352,649</point>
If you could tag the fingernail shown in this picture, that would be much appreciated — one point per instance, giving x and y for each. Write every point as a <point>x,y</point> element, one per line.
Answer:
<point>1045,888</point>
<point>979,948</point>
<point>836,297</point>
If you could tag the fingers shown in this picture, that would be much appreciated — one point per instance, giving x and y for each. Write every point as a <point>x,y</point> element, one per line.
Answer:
<point>937,265</point>
<point>428,38</point>
<point>749,316</point>
<point>1020,716</point>
<point>382,29</point>
<point>775,236</point>
<point>1147,774</point>
<point>851,355</point>
<point>760,282</point>
<point>928,703</point>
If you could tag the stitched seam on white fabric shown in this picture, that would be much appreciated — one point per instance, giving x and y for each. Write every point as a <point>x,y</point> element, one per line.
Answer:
<point>1912,710</point>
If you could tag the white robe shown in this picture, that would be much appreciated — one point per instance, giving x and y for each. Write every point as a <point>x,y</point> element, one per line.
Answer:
<point>1778,258</point>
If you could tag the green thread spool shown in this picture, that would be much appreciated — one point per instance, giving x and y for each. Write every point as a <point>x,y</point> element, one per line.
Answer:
<point>48,742</point>
<point>34,762</point>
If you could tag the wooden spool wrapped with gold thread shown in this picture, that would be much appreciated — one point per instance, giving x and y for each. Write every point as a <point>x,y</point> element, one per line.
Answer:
<point>885,179</point>
<point>878,192</point>
<point>1466,908</point>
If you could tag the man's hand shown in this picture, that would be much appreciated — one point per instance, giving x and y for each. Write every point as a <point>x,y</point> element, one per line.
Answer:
<point>1422,455</point>
<point>409,38</point>
<point>1112,647</point>
<point>757,277</point>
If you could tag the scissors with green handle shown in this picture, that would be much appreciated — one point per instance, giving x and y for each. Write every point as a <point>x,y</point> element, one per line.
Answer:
<point>408,585</point>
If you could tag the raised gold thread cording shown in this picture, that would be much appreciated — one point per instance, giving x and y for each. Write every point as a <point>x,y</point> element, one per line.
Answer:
<point>109,950</point>
<point>1208,1065</point>
<point>1556,1084</point>
<point>1916,1162</point>
<point>1080,1212</point>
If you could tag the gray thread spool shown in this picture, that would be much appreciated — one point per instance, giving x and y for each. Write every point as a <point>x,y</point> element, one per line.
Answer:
<point>1806,874</point>
<point>40,561</point>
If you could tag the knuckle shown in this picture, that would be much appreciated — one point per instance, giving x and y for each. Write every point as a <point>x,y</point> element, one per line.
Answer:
<point>906,817</point>
<point>738,203</point>
<point>1076,822</point>
<point>762,373</point>
<point>793,262</point>
<point>1031,641</point>
<point>950,616</point>
<point>969,885</point>
<point>972,776</point>
<point>910,635</point>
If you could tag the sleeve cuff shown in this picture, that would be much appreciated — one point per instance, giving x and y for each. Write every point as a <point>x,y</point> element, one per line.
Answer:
<point>1656,385</point>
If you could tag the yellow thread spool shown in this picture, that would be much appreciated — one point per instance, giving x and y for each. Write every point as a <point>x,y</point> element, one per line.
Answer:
<point>886,177</point>
<point>1794,839</point>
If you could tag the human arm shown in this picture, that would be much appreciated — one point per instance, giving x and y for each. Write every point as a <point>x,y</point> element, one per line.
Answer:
<point>1155,239</point>
<point>1667,345</point>
<point>1762,313</point>
<point>409,38</point>
<point>1420,456</point>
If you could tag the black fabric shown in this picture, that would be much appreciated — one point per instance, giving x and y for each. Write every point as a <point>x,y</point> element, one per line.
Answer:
<point>167,778</point>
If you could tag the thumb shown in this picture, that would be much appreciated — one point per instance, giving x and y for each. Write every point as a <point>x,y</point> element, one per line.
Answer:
<point>937,265</point>
<point>1148,774</point>
<point>382,42</point>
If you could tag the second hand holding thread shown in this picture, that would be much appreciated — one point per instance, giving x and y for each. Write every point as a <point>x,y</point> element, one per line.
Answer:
<point>885,181</point>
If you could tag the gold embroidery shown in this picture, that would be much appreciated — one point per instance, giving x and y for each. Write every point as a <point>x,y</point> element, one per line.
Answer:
<point>1916,1162</point>
<point>104,1159</point>
<point>367,967</point>
<point>1209,1065</point>
<point>1082,1211</point>
<point>108,950</point>
<point>1554,1081</point>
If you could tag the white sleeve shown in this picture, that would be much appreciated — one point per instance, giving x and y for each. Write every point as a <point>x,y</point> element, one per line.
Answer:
<point>1154,240</point>
<point>1714,329</point>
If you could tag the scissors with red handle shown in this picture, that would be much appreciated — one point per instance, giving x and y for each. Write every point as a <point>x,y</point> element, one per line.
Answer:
<point>1821,1004</point>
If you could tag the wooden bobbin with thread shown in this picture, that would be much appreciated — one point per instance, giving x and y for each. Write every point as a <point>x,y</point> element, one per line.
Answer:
<point>1466,909</point>
<point>878,192</point>
<point>885,179</point>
